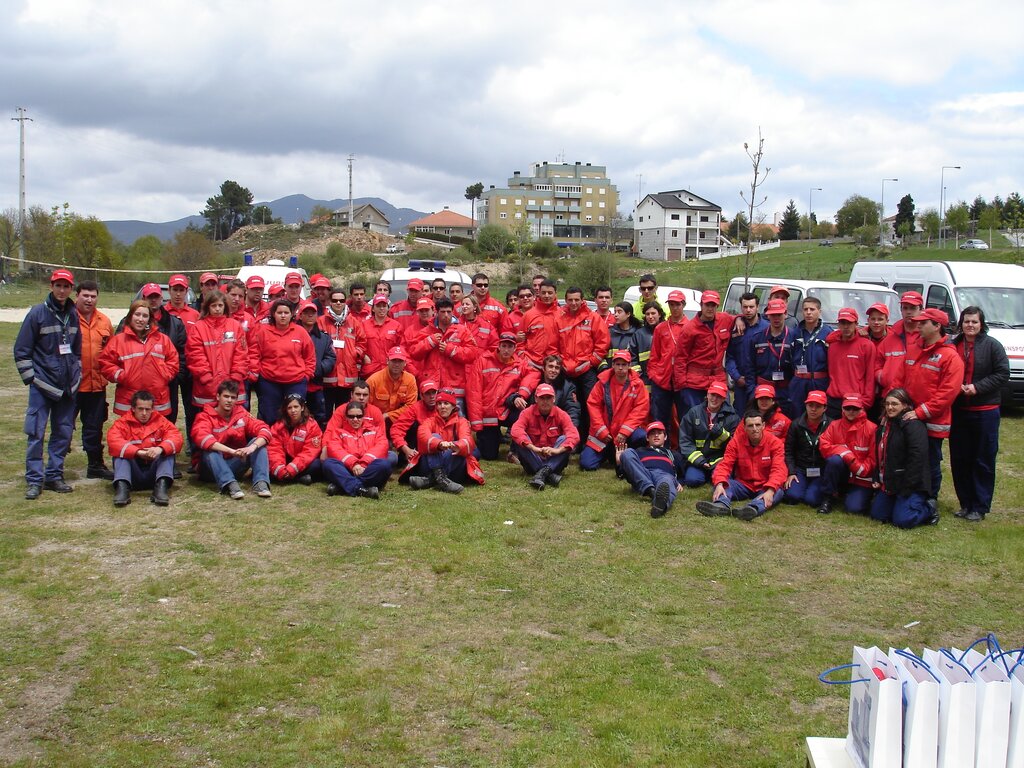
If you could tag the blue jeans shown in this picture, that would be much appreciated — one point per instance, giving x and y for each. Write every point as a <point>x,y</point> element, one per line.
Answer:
<point>375,475</point>
<point>143,474</point>
<point>272,394</point>
<point>902,511</point>
<point>935,464</point>
<point>532,463</point>
<point>804,490</point>
<point>453,465</point>
<point>222,471</point>
<point>695,477</point>
<point>737,491</point>
<point>61,416</point>
<point>591,459</point>
<point>643,479</point>
<point>973,445</point>
<point>662,401</point>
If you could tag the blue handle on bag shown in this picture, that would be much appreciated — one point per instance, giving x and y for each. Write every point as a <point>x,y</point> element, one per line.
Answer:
<point>1020,659</point>
<point>823,677</point>
<point>913,657</point>
<point>949,655</point>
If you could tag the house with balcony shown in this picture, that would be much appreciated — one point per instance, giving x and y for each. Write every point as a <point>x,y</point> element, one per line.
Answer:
<point>366,217</point>
<point>676,225</point>
<point>573,203</point>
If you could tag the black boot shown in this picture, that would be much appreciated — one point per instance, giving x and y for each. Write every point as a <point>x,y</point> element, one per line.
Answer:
<point>122,493</point>
<point>444,483</point>
<point>96,468</point>
<point>160,497</point>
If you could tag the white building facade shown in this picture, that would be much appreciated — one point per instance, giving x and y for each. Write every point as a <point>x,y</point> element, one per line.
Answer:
<point>676,225</point>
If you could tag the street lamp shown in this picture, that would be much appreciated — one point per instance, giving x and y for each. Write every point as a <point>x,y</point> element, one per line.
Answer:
<point>881,214</point>
<point>810,210</point>
<point>942,198</point>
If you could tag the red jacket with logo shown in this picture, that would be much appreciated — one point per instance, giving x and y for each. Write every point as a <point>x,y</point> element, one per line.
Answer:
<point>629,403</point>
<point>498,382</point>
<point>853,442</point>
<point>434,430</point>
<point>292,449</point>
<point>540,324</point>
<point>448,368</point>
<point>348,338</point>
<point>379,339</point>
<point>492,311</point>
<point>133,364</point>
<point>758,467</point>
<point>664,346</point>
<point>282,355</point>
<point>894,351</point>
<point>852,367</point>
<point>357,447</point>
<point>127,435</point>
<point>235,431</point>
<point>216,350</point>
<point>701,352</point>
<point>542,431</point>
<point>583,340</point>
<point>933,383</point>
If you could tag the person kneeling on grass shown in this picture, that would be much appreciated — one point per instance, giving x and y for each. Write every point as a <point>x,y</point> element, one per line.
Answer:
<point>232,441</point>
<point>848,446</point>
<point>653,471</point>
<point>445,459</point>
<point>753,468</point>
<point>357,462</point>
<point>804,461</point>
<point>143,445</point>
<point>543,437</point>
<point>704,432</point>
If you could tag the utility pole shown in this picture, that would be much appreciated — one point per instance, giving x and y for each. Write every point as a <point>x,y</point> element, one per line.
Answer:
<point>21,187</point>
<point>351,207</point>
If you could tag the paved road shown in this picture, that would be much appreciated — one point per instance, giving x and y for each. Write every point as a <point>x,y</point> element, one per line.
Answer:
<point>17,315</point>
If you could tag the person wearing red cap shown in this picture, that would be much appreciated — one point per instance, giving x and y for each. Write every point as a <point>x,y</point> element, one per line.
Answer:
<point>902,344</point>
<point>326,362</point>
<point>848,447</point>
<point>357,462</point>
<point>216,350</point>
<point>502,393</point>
<point>701,352</point>
<point>770,361</point>
<point>393,389</point>
<point>491,310</point>
<point>320,287</point>
<point>540,325</point>
<point>293,291</point>
<point>282,358</point>
<point>902,476</point>
<point>974,431</point>
<point>810,353</point>
<point>804,461</point>
<point>933,382</point>
<point>704,431</point>
<point>91,400</point>
<point>48,356</point>
<point>296,442</point>
<point>653,470</point>
<point>851,364</point>
<point>348,339</point>
<point>446,355</point>
<point>583,342</point>
<point>739,353</point>
<point>143,444</point>
<point>382,333</point>
<point>208,281</point>
<point>661,365</point>
<point>765,402</point>
<point>752,470</point>
<point>254,303</point>
<point>403,430</point>
<point>878,323</point>
<point>543,437</point>
<point>445,460</point>
<point>423,326</point>
<point>619,406</point>
<point>405,311</point>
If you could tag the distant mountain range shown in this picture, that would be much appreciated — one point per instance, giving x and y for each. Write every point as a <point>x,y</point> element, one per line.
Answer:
<point>289,209</point>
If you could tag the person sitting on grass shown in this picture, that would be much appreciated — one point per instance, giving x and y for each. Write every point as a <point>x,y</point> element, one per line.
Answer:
<point>804,461</point>
<point>654,470</point>
<point>775,421</point>
<point>232,442</point>
<point>618,405</point>
<point>143,444</point>
<point>753,470</point>
<point>848,446</point>
<point>357,462</point>
<point>295,444</point>
<point>703,434</point>
<point>544,438</point>
<point>445,459</point>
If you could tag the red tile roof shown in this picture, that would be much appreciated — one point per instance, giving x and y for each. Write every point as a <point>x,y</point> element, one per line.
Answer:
<point>446,218</point>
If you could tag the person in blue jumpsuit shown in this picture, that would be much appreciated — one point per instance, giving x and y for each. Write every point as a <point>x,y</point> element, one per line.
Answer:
<point>653,471</point>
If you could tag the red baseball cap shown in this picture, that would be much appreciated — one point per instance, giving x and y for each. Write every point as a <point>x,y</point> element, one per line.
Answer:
<point>848,313</point>
<point>544,390</point>
<point>178,280</point>
<point>414,284</point>
<point>397,353</point>
<point>852,400</point>
<point>62,274</point>
<point>255,282</point>
<point>275,290</point>
<point>623,354</point>
<point>775,307</point>
<point>207,277</point>
<point>446,396</point>
<point>935,315</point>
<point>424,303</point>
<point>816,396</point>
<point>676,296</point>
<point>320,282</point>
<point>428,386</point>
<point>779,289</point>
<point>912,297</point>
<point>314,277</point>
<point>307,304</point>
<point>764,390</point>
<point>879,307</point>
<point>293,278</point>
<point>380,298</point>
<point>509,337</point>
<point>151,289</point>
<point>718,388</point>
<point>710,297</point>
<point>655,425</point>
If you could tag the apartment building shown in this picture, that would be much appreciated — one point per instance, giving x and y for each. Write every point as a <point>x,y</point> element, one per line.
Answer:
<point>676,225</point>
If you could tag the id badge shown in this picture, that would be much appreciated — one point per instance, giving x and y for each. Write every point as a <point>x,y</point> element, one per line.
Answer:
<point>339,343</point>
<point>813,472</point>
<point>801,369</point>
<point>778,376</point>
<point>64,349</point>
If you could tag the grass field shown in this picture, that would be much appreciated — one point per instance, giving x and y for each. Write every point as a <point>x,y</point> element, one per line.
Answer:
<point>502,627</point>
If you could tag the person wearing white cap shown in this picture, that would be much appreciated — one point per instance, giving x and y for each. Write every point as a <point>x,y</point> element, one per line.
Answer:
<point>48,356</point>
<point>653,470</point>
<point>544,437</point>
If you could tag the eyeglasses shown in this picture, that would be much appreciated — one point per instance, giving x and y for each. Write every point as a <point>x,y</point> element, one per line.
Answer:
<point>337,301</point>
<point>481,285</point>
<point>647,287</point>
<point>437,287</point>
<point>354,415</point>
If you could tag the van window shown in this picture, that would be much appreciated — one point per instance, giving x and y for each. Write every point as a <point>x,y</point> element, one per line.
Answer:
<point>939,298</point>
<point>1004,307</point>
<point>902,288</point>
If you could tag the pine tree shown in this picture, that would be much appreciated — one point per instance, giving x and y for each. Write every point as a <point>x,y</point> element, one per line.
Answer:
<point>789,227</point>
<point>905,214</point>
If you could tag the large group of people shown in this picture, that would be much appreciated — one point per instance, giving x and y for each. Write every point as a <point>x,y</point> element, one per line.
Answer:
<point>758,406</point>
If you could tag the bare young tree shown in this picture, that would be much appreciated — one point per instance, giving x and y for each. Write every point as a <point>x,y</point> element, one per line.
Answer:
<point>752,202</point>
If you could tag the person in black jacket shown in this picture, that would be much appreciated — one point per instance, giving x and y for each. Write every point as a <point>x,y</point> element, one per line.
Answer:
<point>804,461</point>
<point>325,361</point>
<point>903,476</point>
<point>974,433</point>
<point>703,434</point>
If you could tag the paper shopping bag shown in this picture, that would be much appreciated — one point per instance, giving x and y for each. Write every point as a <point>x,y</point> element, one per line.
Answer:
<point>993,708</point>
<point>920,709</point>
<point>1015,746</point>
<point>957,709</point>
<point>875,733</point>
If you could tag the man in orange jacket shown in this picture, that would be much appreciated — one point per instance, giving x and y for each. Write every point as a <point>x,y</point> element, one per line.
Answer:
<point>91,399</point>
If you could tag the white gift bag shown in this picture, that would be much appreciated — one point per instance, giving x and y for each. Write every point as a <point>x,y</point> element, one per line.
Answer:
<point>957,710</point>
<point>1015,746</point>
<point>920,709</point>
<point>875,734</point>
<point>993,708</point>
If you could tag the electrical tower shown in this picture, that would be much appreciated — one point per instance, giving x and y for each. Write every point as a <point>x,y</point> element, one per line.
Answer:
<point>21,187</point>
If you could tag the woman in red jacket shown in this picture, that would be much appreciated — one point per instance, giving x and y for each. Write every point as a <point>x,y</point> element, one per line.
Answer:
<point>295,444</point>
<point>216,350</point>
<point>357,462</point>
<point>282,360</point>
<point>140,357</point>
<point>484,333</point>
<point>445,459</point>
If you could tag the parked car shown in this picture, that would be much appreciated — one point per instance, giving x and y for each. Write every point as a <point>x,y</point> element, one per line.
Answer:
<point>274,271</point>
<point>690,309</point>
<point>395,248</point>
<point>832,295</point>
<point>974,245</point>
<point>826,243</point>
<point>426,271</point>
<point>166,292</point>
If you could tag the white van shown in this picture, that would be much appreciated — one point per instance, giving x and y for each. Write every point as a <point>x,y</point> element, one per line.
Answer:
<point>952,285</point>
<point>690,309</point>
<point>833,296</point>
<point>426,270</point>
<point>274,273</point>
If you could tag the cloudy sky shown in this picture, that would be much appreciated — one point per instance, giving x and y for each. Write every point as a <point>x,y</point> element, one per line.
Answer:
<point>141,110</point>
